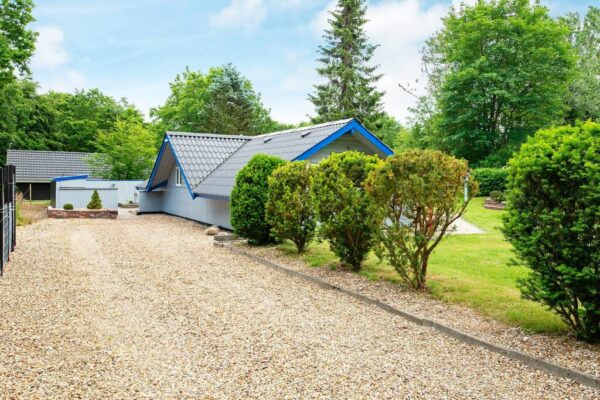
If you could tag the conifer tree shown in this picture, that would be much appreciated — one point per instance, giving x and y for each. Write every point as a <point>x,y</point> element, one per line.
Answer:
<point>349,90</point>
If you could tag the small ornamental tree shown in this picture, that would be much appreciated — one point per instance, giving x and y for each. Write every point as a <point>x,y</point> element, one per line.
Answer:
<point>419,194</point>
<point>553,222</point>
<point>290,207</point>
<point>95,203</point>
<point>346,212</point>
<point>249,197</point>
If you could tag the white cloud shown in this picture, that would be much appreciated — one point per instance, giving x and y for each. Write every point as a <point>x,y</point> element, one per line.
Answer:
<point>49,49</point>
<point>245,14</point>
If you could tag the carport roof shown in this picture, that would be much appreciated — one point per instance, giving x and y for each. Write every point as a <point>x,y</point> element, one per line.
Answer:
<point>42,166</point>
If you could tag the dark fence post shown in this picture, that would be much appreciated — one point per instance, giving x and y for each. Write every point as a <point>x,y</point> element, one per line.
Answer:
<point>2,197</point>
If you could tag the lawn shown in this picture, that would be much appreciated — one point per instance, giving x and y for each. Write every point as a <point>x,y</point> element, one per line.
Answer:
<point>472,270</point>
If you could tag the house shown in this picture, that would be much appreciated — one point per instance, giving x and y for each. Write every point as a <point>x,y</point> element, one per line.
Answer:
<point>35,169</point>
<point>194,173</point>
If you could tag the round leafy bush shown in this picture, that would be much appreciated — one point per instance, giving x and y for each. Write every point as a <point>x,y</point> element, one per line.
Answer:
<point>68,206</point>
<point>490,179</point>
<point>290,207</point>
<point>346,212</point>
<point>497,196</point>
<point>420,194</point>
<point>553,222</point>
<point>249,197</point>
<point>95,203</point>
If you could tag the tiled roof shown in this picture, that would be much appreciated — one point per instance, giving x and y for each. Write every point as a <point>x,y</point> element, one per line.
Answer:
<point>287,144</point>
<point>200,153</point>
<point>42,166</point>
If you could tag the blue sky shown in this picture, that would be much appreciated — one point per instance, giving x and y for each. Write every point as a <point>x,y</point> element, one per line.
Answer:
<point>134,48</point>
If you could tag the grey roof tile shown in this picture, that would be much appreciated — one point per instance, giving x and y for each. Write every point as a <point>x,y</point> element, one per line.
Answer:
<point>200,153</point>
<point>42,166</point>
<point>287,144</point>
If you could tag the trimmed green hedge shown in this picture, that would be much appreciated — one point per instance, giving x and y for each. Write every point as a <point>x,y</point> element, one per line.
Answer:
<point>249,197</point>
<point>490,179</point>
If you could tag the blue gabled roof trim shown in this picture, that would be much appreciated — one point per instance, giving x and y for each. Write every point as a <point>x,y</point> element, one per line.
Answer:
<point>68,178</point>
<point>352,126</point>
<point>187,183</point>
<point>167,142</point>
<point>156,163</point>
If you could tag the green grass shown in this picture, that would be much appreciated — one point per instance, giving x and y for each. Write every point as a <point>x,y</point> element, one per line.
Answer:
<point>472,270</point>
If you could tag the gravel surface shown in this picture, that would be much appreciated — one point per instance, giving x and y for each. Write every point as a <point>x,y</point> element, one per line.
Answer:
<point>146,307</point>
<point>561,349</point>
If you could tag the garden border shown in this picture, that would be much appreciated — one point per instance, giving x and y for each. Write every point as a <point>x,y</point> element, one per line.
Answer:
<point>530,361</point>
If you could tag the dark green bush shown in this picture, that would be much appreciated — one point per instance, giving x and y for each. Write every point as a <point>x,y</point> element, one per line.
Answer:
<point>553,222</point>
<point>497,196</point>
<point>249,197</point>
<point>490,179</point>
<point>95,203</point>
<point>68,206</point>
<point>346,212</point>
<point>290,208</point>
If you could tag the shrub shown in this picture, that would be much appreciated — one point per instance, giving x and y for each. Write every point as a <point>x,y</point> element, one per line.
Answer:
<point>490,179</point>
<point>419,194</point>
<point>68,206</point>
<point>290,207</point>
<point>497,196</point>
<point>552,220</point>
<point>249,197</point>
<point>95,203</point>
<point>346,212</point>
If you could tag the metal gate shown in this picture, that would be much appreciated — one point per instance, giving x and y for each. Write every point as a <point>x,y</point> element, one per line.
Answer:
<point>8,214</point>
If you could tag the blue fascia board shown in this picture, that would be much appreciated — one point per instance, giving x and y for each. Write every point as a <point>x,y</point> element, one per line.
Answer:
<point>68,178</point>
<point>156,163</point>
<point>163,183</point>
<point>352,126</point>
<point>187,183</point>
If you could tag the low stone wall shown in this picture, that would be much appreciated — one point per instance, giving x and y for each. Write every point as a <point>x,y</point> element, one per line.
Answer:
<point>93,214</point>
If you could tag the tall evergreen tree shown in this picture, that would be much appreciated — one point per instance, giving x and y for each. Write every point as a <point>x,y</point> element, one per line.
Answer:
<point>349,90</point>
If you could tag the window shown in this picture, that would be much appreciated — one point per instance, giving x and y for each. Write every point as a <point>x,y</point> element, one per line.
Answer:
<point>178,178</point>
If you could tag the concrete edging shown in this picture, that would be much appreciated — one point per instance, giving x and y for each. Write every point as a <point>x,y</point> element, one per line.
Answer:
<point>530,361</point>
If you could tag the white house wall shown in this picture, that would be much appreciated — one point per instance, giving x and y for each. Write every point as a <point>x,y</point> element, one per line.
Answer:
<point>126,189</point>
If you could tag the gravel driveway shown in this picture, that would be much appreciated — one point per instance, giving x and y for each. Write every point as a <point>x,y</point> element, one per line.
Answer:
<point>146,307</point>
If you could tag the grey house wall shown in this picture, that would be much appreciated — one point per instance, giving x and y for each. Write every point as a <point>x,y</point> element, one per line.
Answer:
<point>176,200</point>
<point>345,143</point>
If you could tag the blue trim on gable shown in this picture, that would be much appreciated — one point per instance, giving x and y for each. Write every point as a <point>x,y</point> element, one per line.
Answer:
<point>352,126</point>
<point>187,183</point>
<point>156,163</point>
<point>68,178</point>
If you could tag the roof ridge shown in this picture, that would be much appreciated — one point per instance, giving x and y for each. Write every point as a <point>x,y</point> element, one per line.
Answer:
<point>303,128</point>
<point>209,135</point>
<point>46,151</point>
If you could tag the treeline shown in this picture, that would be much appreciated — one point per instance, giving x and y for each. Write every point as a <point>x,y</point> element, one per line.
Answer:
<point>496,72</point>
<point>500,70</point>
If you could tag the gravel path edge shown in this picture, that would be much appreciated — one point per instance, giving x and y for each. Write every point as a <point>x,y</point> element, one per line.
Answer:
<point>526,359</point>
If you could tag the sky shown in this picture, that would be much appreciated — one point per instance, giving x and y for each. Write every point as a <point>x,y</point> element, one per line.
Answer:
<point>134,48</point>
